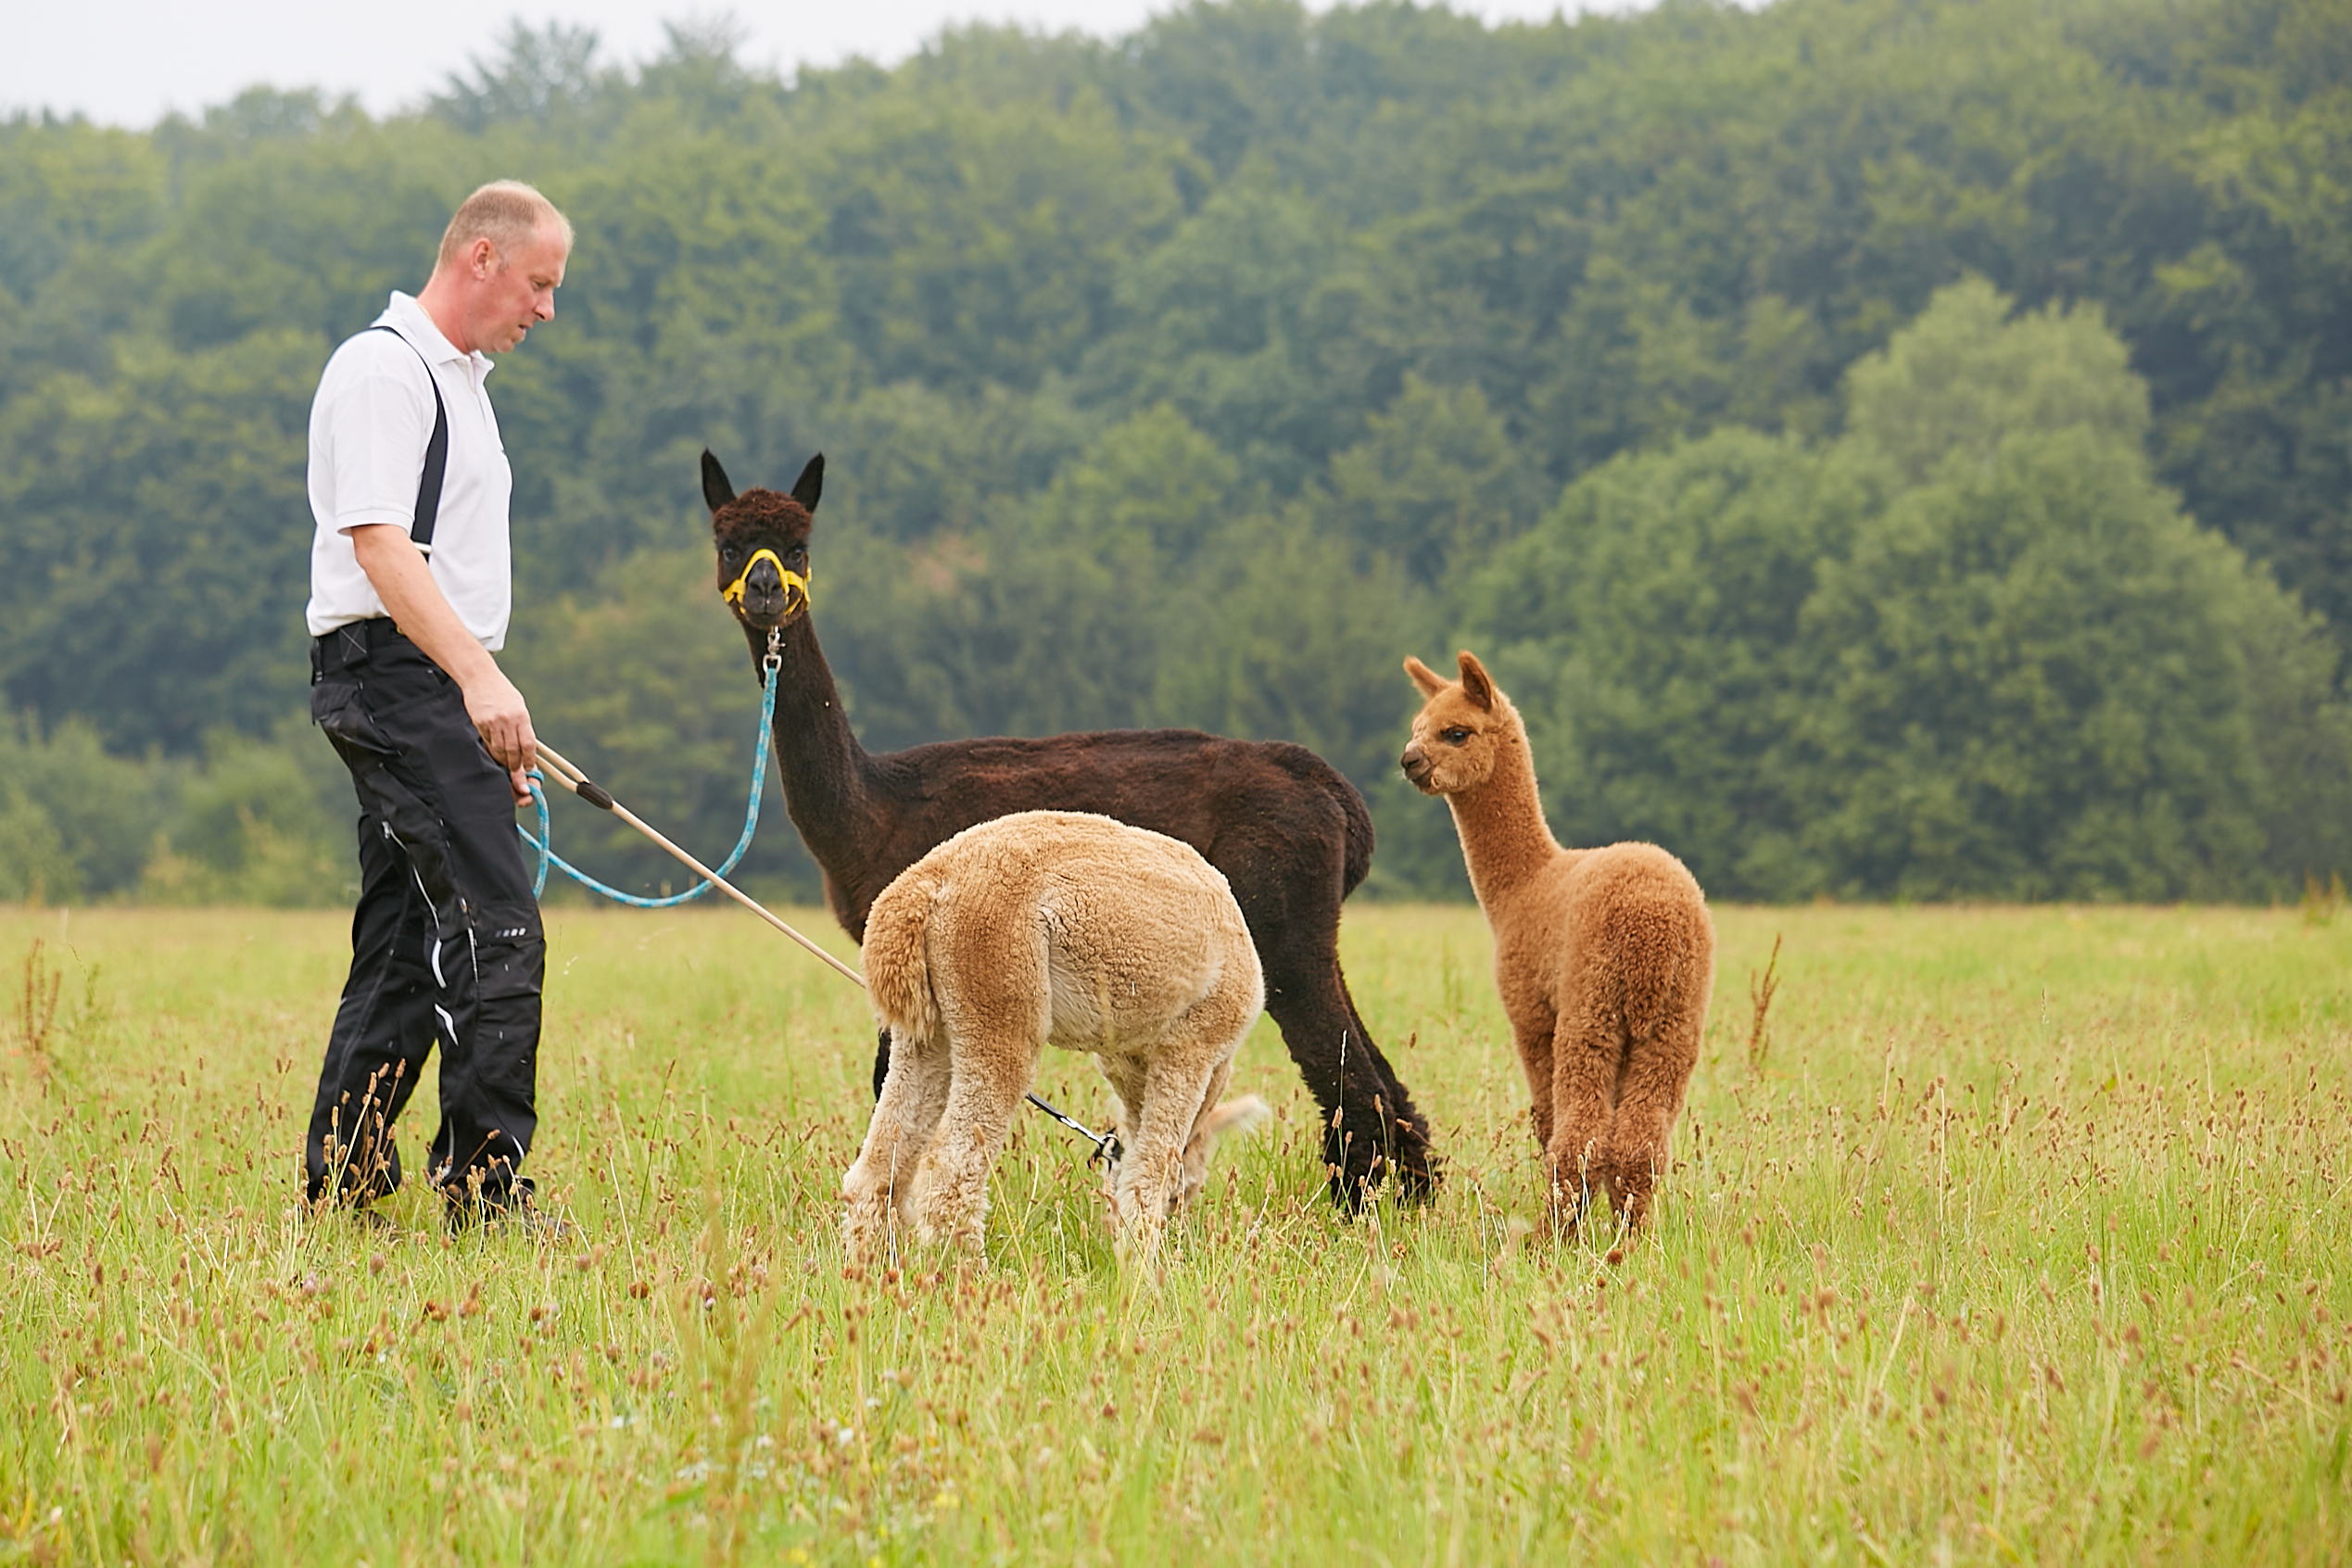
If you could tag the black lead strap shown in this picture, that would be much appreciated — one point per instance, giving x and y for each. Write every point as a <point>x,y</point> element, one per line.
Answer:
<point>437,452</point>
<point>1108,1149</point>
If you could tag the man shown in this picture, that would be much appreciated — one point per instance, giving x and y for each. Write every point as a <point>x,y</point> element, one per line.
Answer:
<point>410,594</point>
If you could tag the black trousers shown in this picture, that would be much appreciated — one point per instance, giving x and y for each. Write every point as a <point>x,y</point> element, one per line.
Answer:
<point>445,943</point>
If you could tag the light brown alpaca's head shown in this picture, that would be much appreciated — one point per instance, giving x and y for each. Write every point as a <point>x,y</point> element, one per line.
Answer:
<point>1461,730</point>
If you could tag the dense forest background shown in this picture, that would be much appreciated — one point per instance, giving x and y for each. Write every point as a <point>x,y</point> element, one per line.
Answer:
<point>1890,447</point>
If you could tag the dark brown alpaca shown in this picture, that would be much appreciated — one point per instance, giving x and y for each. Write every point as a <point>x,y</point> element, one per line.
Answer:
<point>1291,835</point>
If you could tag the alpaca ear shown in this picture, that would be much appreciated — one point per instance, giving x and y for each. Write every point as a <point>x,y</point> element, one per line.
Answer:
<point>716,491</point>
<point>810,485</point>
<point>1476,684</point>
<point>1429,680</point>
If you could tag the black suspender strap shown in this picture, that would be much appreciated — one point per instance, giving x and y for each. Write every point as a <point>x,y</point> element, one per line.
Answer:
<point>437,454</point>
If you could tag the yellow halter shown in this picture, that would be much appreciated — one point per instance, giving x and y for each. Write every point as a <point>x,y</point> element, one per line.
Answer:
<point>793,582</point>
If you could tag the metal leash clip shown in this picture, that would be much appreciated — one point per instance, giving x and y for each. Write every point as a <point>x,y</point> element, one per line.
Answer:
<point>1108,1151</point>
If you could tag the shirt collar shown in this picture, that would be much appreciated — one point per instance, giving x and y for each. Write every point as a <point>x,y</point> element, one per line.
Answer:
<point>410,317</point>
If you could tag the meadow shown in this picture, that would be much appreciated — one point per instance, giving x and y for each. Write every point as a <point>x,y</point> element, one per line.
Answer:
<point>2013,1235</point>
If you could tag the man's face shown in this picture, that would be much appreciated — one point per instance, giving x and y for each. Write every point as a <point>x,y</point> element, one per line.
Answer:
<point>513,293</point>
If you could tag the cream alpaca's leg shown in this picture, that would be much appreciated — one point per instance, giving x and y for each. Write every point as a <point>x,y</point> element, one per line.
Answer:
<point>904,1119</point>
<point>1173,1089</point>
<point>950,1196</point>
<point>937,1077</point>
<point>1125,1076</point>
<point>1585,1054</point>
<point>1200,1141</point>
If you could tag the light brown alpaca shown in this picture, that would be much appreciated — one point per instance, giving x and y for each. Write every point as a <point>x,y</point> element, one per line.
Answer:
<point>1605,957</point>
<point>1049,927</point>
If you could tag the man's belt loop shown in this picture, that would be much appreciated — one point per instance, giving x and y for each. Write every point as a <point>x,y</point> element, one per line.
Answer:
<point>350,644</point>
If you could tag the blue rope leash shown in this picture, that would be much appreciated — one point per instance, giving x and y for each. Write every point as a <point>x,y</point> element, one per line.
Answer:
<point>543,844</point>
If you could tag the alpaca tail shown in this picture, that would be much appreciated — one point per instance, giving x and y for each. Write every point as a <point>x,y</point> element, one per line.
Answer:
<point>1232,1118</point>
<point>898,977</point>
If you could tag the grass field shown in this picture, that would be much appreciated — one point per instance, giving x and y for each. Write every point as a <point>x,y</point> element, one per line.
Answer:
<point>2026,1237</point>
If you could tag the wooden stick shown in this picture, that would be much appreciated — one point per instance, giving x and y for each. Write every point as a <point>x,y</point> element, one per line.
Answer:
<point>579,783</point>
<point>571,778</point>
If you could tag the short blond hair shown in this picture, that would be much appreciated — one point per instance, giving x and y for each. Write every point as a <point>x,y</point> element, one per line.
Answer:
<point>506,212</point>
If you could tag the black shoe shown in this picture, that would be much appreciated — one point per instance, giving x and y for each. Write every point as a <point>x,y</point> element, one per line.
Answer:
<point>359,1217</point>
<point>521,1216</point>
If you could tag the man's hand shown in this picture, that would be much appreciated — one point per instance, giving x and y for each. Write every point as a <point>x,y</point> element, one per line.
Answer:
<point>497,711</point>
<point>403,580</point>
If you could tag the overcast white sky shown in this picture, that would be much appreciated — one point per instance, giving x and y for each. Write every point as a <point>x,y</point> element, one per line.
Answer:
<point>129,62</point>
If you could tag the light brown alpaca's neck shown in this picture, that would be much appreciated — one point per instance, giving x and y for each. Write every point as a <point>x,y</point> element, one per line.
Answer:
<point>1504,841</point>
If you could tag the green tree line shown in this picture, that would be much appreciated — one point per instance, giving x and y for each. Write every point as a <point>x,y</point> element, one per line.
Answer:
<point>1891,447</point>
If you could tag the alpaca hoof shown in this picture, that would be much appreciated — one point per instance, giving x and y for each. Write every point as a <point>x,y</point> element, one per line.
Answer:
<point>862,1242</point>
<point>1627,1189</point>
<point>1140,1256</point>
<point>1568,1203</point>
<point>867,1215</point>
<point>956,1233</point>
<point>1407,1174</point>
<point>1416,1183</point>
<point>1353,1191</point>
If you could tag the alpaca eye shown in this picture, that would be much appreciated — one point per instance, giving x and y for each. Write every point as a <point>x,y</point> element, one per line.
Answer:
<point>1454,736</point>
<point>731,552</point>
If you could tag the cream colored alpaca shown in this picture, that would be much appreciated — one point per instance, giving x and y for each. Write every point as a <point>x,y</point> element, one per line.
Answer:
<point>1048,926</point>
<point>1605,957</point>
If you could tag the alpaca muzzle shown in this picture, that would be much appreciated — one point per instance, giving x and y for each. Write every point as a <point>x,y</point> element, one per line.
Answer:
<point>1417,768</point>
<point>766,595</point>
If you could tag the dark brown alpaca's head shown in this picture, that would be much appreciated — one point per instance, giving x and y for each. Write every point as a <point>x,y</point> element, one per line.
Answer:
<point>1460,730</point>
<point>763,544</point>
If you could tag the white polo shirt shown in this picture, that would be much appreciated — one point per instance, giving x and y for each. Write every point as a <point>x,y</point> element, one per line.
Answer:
<point>369,426</point>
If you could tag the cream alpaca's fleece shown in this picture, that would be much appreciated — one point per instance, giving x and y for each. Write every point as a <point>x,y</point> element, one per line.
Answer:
<point>1605,957</point>
<point>1059,928</point>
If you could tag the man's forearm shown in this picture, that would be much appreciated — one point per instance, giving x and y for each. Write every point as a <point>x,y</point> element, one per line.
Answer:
<point>402,579</point>
<point>405,584</point>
